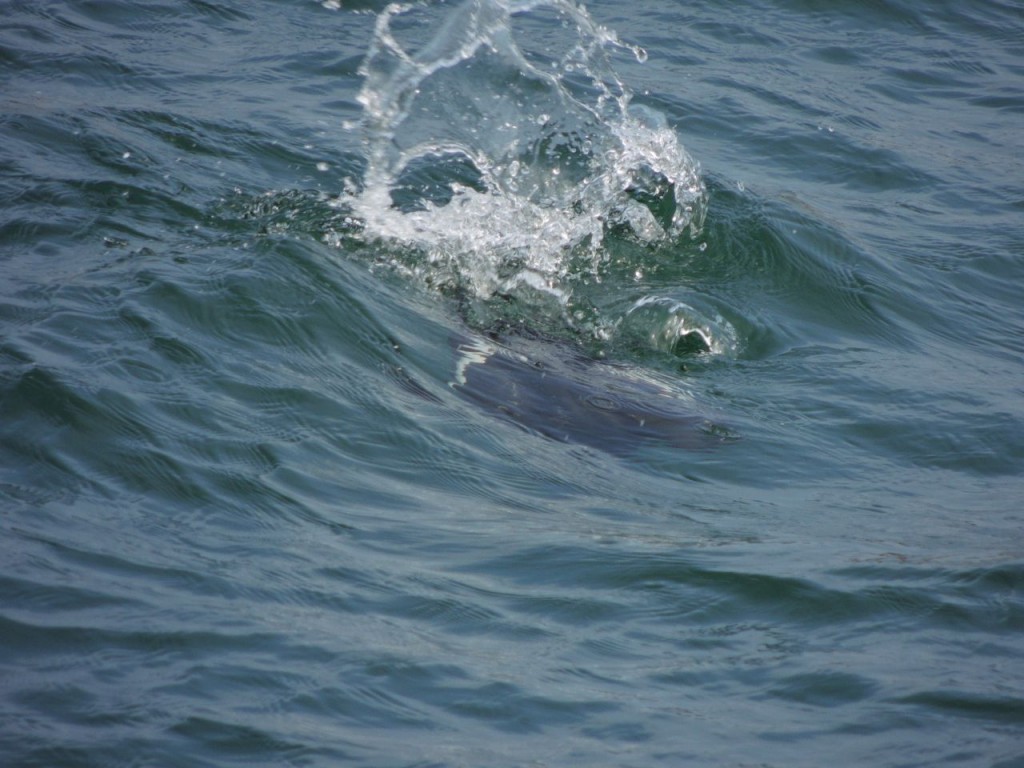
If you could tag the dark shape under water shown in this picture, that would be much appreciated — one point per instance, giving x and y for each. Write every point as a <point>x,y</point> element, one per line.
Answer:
<point>574,399</point>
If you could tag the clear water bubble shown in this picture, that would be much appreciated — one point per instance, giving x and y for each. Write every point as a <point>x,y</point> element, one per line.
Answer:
<point>668,325</point>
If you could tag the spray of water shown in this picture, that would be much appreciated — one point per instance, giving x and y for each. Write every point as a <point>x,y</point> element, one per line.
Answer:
<point>504,153</point>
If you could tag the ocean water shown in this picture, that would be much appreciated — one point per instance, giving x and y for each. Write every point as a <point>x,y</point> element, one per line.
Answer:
<point>512,383</point>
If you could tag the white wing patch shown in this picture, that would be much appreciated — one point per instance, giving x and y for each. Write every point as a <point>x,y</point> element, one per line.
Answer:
<point>472,352</point>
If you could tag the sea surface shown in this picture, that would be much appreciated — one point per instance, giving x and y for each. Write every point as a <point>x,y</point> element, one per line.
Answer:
<point>512,383</point>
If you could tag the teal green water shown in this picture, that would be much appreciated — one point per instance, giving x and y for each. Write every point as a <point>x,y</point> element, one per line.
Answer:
<point>516,426</point>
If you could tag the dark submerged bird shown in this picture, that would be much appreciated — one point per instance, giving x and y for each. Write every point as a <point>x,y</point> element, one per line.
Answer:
<point>574,399</point>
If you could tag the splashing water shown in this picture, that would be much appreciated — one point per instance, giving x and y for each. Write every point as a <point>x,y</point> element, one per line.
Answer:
<point>504,153</point>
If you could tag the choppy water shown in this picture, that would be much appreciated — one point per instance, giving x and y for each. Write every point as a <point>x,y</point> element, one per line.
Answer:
<point>511,384</point>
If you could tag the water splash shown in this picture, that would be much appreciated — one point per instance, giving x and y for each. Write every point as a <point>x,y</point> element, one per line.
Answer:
<point>504,153</point>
